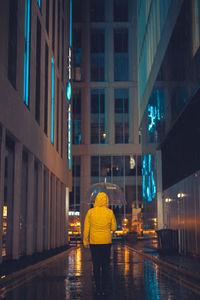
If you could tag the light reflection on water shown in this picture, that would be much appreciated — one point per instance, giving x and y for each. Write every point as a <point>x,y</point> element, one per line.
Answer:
<point>70,278</point>
<point>151,282</point>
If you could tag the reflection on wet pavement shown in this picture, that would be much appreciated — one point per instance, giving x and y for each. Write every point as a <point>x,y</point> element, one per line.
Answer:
<point>132,277</point>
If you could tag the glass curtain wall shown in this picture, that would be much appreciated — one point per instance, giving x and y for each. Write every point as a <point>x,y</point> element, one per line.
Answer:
<point>120,11</point>
<point>121,116</point>
<point>97,55</point>
<point>74,203</point>
<point>97,10</point>
<point>97,118</point>
<point>126,172</point>
<point>77,55</point>
<point>121,59</point>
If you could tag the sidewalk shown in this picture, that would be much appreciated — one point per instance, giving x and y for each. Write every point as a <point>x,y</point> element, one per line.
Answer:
<point>185,265</point>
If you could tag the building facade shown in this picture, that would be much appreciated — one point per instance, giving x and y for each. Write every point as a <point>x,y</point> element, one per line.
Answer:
<point>105,112</point>
<point>35,179</point>
<point>169,105</point>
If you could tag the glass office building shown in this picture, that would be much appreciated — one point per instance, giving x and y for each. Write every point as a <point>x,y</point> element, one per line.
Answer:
<point>105,112</point>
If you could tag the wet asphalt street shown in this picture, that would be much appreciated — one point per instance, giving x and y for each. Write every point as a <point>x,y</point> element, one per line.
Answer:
<point>69,276</point>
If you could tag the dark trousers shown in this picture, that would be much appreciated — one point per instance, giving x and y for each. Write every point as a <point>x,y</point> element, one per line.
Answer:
<point>101,264</point>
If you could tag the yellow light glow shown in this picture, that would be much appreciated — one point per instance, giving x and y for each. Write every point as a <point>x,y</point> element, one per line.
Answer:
<point>181,195</point>
<point>167,200</point>
<point>5,211</point>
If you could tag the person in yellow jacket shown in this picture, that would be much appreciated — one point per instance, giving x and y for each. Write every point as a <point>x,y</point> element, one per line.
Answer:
<point>98,226</point>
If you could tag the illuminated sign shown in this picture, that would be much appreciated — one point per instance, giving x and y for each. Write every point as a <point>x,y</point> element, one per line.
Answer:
<point>69,90</point>
<point>148,181</point>
<point>26,52</point>
<point>155,109</point>
<point>74,213</point>
<point>69,135</point>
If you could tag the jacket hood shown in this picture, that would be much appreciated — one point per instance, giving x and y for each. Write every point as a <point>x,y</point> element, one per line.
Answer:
<point>101,200</point>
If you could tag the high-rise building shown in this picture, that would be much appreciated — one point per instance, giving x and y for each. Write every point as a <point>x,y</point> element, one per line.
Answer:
<point>106,143</point>
<point>169,52</point>
<point>34,167</point>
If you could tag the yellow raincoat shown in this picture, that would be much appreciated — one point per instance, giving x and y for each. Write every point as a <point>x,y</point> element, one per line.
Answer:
<point>99,222</point>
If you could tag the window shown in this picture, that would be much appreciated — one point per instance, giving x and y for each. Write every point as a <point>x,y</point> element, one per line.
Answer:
<point>75,194</point>
<point>8,199</point>
<point>97,45</point>
<point>27,52</point>
<point>97,118</point>
<point>77,11</point>
<point>46,207</point>
<point>120,10</point>
<point>97,10</point>
<point>23,204</point>
<point>105,166</point>
<point>63,40</point>
<point>95,166</point>
<point>121,60</point>
<point>196,23</point>
<point>53,24</point>
<point>62,118</point>
<point>77,55</point>
<point>74,198</point>
<point>58,116</point>
<point>76,171</point>
<point>119,170</point>
<point>52,99</point>
<point>12,42</point>
<point>46,89</point>
<point>35,212</point>
<point>130,165</point>
<point>77,116</point>
<point>139,165</point>
<point>58,37</point>
<point>118,166</point>
<point>38,73</point>
<point>47,16</point>
<point>121,116</point>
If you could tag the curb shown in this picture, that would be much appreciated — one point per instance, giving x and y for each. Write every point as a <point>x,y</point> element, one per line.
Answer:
<point>165,264</point>
<point>19,277</point>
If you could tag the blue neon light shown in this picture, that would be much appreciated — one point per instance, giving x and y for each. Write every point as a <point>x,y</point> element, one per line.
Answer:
<point>148,181</point>
<point>26,52</point>
<point>52,101</point>
<point>39,3</point>
<point>69,137</point>
<point>70,41</point>
<point>155,109</point>
<point>69,90</point>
